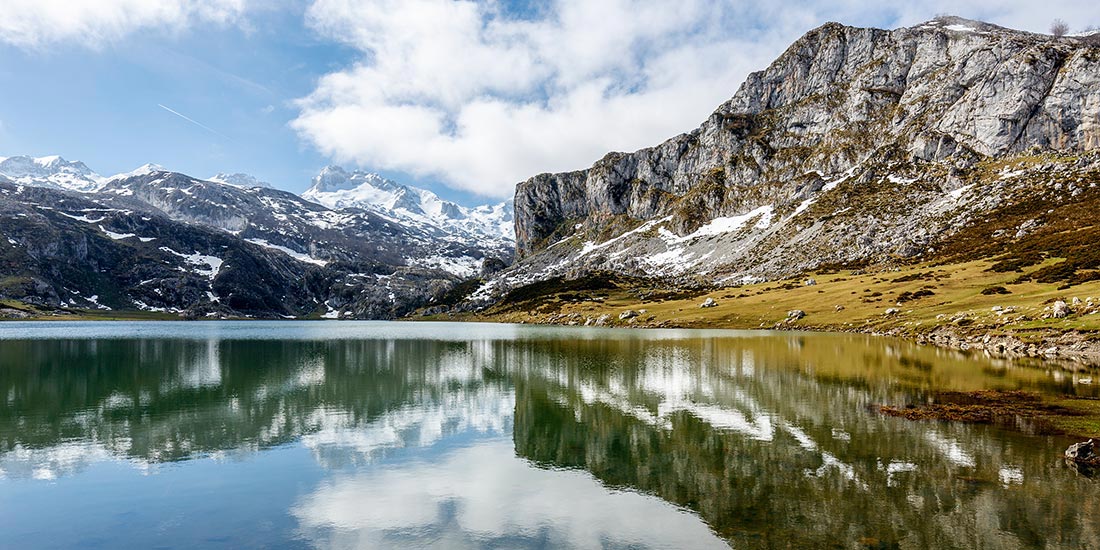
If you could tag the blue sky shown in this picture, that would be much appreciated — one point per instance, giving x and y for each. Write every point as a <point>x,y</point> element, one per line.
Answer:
<point>461,97</point>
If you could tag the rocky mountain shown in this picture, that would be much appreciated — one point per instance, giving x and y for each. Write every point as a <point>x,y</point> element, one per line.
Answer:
<point>157,240</point>
<point>856,145</point>
<point>337,188</point>
<point>53,171</point>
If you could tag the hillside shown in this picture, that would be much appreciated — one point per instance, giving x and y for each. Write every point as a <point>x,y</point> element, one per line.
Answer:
<point>157,243</point>
<point>855,147</point>
<point>938,182</point>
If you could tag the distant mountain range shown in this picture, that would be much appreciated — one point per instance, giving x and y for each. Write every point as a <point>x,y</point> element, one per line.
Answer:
<point>354,246</point>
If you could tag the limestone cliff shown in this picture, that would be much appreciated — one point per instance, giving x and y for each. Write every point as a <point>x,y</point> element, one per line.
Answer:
<point>856,144</point>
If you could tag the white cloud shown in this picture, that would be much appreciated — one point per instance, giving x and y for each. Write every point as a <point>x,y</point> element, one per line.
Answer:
<point>475,496</point>
<point>39,23</point>
<point>481,98</point>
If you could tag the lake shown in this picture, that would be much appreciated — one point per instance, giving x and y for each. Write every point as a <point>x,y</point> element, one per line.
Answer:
<point>341,435</point>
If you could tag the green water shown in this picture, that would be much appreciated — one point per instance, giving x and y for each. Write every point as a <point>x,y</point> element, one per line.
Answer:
<point>429,435</point>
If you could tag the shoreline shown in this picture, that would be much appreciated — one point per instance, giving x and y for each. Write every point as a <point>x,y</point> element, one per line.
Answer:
<point>1070,348</point>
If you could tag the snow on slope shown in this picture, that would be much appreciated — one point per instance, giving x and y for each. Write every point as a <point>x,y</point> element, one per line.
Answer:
<point>238,179</point>
<point>52,171</point>
<point>337,188</point>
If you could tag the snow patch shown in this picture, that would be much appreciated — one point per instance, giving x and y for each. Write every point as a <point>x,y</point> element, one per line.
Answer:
<point>592,246</point>
<point>213,264</point>
<point>301,257</point>
<point>958,193</point>
<point>721,225</point>
<point>116,236</point>
<point>464,266</point>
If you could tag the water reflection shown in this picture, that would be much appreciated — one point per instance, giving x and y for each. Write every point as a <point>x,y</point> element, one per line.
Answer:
<point>548,438</point>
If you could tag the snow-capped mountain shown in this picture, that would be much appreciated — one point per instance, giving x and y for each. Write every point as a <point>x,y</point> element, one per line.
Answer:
<point>238,179</point>
<point>143,170</point>
<point>52,171</point>
<point>158,240</point>
<point>337,188</point>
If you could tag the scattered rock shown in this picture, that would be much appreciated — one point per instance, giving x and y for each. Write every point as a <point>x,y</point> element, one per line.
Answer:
<point>602,320</point>
<point>628,314</point>
<point>11,313</point>
<point>893,311</point>
<point>809,282</point>
<point>839,307</point>
<point>1076,301</point>
<point>794,315</point>
<point>1059,310</point>
<point>709,302</point>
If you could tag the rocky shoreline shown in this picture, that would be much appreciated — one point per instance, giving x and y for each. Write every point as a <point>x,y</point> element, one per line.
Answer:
<point>1072,349</point>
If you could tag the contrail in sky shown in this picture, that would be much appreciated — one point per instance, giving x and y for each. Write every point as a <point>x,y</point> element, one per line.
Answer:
<point>193,121</point>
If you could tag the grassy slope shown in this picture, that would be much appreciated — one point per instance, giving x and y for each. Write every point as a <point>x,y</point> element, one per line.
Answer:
<point>956,288</point>
<point>34,313</point>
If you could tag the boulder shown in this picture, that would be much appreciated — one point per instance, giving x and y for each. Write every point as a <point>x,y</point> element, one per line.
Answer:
<point>795,314</point>
<point>1059,310</point>
<point>809,282</point>
<point>709,302</point>
<point>1082,451</point>
<point>893,311</point>
<point>492,266</point>
<point>628,314</point>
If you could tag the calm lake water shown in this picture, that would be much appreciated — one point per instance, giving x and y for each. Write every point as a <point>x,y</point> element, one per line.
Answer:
<point>431,435</point>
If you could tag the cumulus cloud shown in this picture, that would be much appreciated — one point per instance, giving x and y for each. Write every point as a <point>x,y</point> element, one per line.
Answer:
<point>481,96</point>
<point>39,23</point>
<point>484,495</point>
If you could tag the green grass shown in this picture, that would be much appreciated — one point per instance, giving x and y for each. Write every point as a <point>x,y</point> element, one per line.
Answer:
<point>865,298</point>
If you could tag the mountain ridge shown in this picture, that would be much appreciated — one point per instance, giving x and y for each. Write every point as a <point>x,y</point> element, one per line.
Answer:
<point>159,241</point>
<point>811,161</point>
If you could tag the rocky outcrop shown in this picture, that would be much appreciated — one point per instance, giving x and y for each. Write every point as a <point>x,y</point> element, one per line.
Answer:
<point>855,144</point>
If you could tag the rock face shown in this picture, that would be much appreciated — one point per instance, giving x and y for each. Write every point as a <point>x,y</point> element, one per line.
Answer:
<point>855,144</point>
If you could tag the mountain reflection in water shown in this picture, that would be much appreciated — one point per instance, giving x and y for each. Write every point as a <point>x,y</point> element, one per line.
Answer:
<point>380,435</point>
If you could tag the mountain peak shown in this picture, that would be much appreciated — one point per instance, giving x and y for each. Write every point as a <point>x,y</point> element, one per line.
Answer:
<point>50,171</point>
<point>336,178</point>
<point>961,24</point>
<point>238,179</point>
<point>143,170</point>
<point>337,188</point>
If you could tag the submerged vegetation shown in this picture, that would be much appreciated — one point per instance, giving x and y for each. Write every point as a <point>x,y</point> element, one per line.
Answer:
<point>1025,411</point>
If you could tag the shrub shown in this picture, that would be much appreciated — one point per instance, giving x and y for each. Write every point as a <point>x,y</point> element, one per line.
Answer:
<point>1059,28</point>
